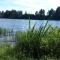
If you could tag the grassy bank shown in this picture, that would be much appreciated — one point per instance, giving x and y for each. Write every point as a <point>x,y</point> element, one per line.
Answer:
<point>35,44</point>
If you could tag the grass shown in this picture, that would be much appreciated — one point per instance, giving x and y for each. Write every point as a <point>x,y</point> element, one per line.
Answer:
<point>38,43</point>
<point>35,44</point>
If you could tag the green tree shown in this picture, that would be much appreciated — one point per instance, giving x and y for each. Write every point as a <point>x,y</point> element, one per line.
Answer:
<point>13,14</point>
<point>6,14</point>
<point>51,13</point>
<point>36,13</point>
<point>57,15</point>
<point>42,14</point>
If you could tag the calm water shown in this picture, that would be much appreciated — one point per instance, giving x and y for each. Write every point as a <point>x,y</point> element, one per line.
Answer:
<point>22,25</point>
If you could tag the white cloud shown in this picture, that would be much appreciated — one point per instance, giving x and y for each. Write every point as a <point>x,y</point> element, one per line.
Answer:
<point>30,5</point>
<point>33,5</point>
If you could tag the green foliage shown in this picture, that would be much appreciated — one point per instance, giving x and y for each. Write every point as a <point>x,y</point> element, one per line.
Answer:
<point>34,44</point>
<point>3,31</point>
<point>6,51</point>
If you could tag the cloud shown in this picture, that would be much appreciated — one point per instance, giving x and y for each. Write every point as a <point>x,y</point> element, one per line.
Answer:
<point>29,5</point>
<point>33,5</point>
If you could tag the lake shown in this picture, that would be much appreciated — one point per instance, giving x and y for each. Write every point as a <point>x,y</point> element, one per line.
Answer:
<point>23,25</point>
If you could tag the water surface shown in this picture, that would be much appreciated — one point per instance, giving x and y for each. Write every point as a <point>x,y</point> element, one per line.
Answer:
<point>23,25</point>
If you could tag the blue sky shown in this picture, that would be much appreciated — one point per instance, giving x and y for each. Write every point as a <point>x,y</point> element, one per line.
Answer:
<point>29,5</point>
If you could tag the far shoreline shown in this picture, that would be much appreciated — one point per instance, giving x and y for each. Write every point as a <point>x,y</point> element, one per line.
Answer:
<point>30,19</point>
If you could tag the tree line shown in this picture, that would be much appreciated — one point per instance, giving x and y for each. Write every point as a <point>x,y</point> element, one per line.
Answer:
<point>13,14</point>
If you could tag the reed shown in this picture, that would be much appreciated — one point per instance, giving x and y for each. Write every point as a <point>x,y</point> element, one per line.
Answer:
<point>38,43</point>
<point>35,44</point>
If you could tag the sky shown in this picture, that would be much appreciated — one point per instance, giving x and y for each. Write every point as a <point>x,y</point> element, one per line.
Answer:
<point>29,5</point>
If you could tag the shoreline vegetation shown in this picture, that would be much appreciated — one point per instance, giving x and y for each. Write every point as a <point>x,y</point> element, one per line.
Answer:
<point>34,44</point>
<point>39,15</point>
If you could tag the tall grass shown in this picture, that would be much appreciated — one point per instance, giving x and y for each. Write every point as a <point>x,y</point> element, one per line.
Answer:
<point>39,43</point>
<point>35,44</point>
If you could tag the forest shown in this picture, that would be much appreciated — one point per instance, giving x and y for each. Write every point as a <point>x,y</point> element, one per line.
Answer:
<point>39,15</point>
